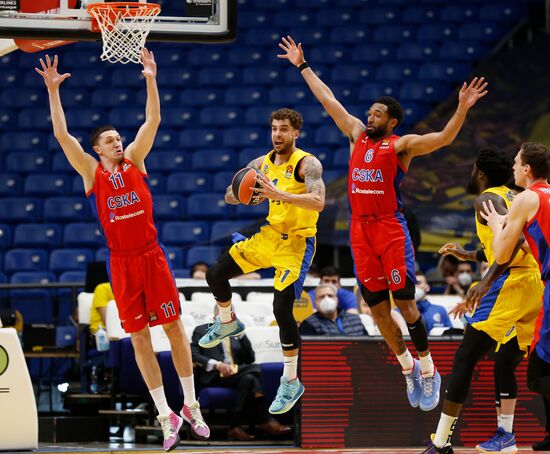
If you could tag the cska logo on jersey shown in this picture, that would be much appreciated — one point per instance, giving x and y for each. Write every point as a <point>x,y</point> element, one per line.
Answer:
<point>289,171</point>
<point>385,144</point>
<point>124,200</point>
<point>369,155</point>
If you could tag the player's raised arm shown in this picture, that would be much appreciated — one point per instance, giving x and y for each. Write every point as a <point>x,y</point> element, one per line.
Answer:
<point>311,170</point>
<point>138,150</point>
<point>412,145</point>
<point>230,198</point>
<point>81,161</point>
<point>351,126</point>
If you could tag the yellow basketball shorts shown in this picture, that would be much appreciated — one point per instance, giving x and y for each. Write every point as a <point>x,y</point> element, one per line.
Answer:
<point>511,306</point>
<point>291,256</point>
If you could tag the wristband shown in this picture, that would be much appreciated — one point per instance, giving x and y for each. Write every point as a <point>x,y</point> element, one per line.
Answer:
<point>303,66</point>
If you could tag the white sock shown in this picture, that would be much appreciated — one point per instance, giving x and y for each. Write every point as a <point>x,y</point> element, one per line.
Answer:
<point>188,386</point>
<point>507,423</point>
<point>445,429</point>
<point>427,365</point>
<point>226,313</point>
<point>160,401</point>
<point>406,360</point>
<point>290,370</point>
<point>498,420</point>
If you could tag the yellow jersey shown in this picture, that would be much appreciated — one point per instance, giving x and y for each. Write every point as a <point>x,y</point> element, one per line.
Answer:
<point>285,217</point>
<point>485,234</point>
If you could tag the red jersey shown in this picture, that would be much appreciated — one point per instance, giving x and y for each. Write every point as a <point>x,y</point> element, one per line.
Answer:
<point>537,230</point>
<point>375,175</point>
<point>123,205</point>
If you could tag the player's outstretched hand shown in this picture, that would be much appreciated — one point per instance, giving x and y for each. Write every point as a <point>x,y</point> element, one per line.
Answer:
<point>476,293</point>
<point>293,53</point>
<point>268,189</point>
<point>454,249</point>
<point>52,78</point>
<point>459,310</point>
<point>495,221</point>
<point>469,94</point>
<point>149,64</point>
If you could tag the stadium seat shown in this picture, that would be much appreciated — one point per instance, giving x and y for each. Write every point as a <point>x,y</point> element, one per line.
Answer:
<point>10,184</point>
<point>66,209</point>
<point>88,78</point>
<point>81,58</point>
<point>47,184</point>
<point>170,207</point>
<point>5,237</point>
<point>479,31</point>
<point>222,230</point>
<point>200,138</point>
<point>82,235</point>
<point>62,260</point>
<point>126,117</point>
<point>334,17</point>
<point>102,255</point>
<point>170,56</point>
<point>201,97</point>
<point>85,117</point>
<point>219,76</point>
<point>502,12</point>
<point>332,175</point>
<point>459,13</point>
<point>371,90</point>
<point>166,139</point>
<point>461,50</point>
<point>23,98</point>
<point>76,97</point>
<point>221,116</point>
<point>262,76</point>
<point>169,97</point>
<point>423,91</point>
<point>340,158</point>
<point>178,77</point>
<point>8,119</point>
<point>397,72</point>
<point>252,18</point>
<point>417,52</point>
<point>167,161</point>
<point>20,209</point>
<point>208,206</point>
<point>201,56</point>
<point>259,115</point>
<point>246,155</point>
<point>201,311</point>
<point>378,15</point>
<point>176,256</point>
<point>394,33</point>
<point>299,18</point>
<point>311,36</point>
<point>252,212</point>
<point>331,54</point>
<point>25,260</point>
<point>444,71</point>
<point>182,273</point>
<point>436,32</point>
<point>156,183</point>
<point>295,78</point>
<point>188,182</point>
<point>128,78</point>
<point>420,14</point>
<point>46,236</point>
<point>11,78</point>
<point>246,96</point>
<point>351,35</point>
<point>35,305</point>
<point>222,180</point>
<point>60,164</point>
<point>414,112</point>
<point>246,56</point>
<point>261,312</point>
<point>180,117</point>
<point>67,296</point>
<point>266,344</point>
<point>373,53</point>
<point>15,140</point>
<point>109,98</point>
<point>352,73</point>
<point>208,254</point>
<point>81,135</point>
<point>34,119</point>
<point>263,37</point>
<point>290,94</point>
<point>240,138</point>
<point>77,185</point>
<point>185,233</point>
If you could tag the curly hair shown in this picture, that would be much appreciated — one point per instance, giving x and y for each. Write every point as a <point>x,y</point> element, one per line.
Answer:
<point>496,165</point>
<point>295,117</point>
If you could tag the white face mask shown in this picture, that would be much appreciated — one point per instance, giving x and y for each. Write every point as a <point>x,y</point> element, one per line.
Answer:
<point>464,279</point>
<point>419,293</point>
<point>327,304</point>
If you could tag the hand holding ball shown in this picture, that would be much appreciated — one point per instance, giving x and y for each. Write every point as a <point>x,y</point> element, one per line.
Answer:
<point>243,181</point>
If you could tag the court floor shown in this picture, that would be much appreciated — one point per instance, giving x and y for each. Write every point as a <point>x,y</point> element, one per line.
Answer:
<point>131,448</point>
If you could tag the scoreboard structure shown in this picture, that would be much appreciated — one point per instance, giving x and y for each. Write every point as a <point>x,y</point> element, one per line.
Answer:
<point>355,397</point>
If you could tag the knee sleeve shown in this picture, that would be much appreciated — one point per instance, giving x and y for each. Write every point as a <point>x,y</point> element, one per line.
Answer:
<point>283,304</point>
<point>374,298</point>
<point>506,361</point>
<point>419,334</point>
<point>407,292</point>
<point>218,276</point>
<point>474,345</point>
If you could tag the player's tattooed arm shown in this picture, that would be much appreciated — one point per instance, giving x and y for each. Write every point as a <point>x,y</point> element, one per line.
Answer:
<point>229,196</point>
<point>313,178</point>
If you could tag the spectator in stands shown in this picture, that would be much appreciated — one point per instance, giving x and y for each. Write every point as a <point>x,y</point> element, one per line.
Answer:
<point>346,299</point>
<point>435,316</point>
<point>198,270</point>
<point>102,295</point>
<point>328,320</point>
<point>459,282</point>
<point>230,365</point>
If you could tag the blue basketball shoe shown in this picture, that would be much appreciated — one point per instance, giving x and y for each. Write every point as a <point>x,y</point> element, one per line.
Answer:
<point>218,331</point>
<point>430,391</point>
<point>501,441</point>
<point>414,388</point>
<point>288,394</point>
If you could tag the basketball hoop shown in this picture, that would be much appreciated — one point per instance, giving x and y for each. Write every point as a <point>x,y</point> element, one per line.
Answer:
<point>124,27</point>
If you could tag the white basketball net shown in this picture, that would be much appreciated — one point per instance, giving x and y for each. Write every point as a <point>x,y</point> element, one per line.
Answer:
<point>124,29</point>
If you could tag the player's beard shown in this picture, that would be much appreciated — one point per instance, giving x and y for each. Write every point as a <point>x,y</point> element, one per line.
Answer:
<point>472,187</point>
<point>284,149</point>
<point>378,133</point>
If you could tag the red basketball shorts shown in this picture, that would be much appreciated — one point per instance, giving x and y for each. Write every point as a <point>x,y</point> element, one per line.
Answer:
<point>144,287</point>
<point>382,251</point>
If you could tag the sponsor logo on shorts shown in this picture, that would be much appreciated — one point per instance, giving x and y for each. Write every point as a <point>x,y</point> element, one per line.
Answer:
<point>138,317</point>
<point>153,316</point>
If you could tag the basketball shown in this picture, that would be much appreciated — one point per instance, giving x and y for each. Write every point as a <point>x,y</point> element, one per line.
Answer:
<point>243,180</point>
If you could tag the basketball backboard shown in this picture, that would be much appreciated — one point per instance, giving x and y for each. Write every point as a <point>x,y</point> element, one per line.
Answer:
<point>179,20</point>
